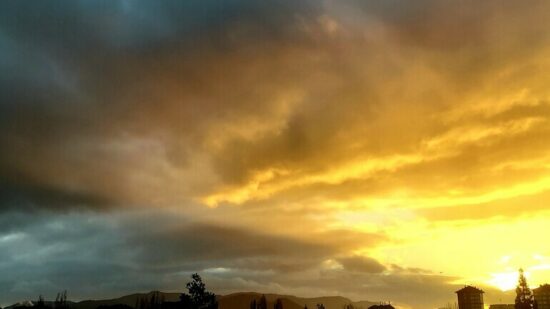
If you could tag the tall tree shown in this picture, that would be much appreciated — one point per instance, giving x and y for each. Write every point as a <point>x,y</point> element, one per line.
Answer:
<point>253,304</point>
<point>524,296</point>
<point>40,303</point>
<point>198,297</point>
<point>278,304</point>
<point>143,303</point>
<point>61,300</point>
<point>156,300</point>
<point>263,303</point>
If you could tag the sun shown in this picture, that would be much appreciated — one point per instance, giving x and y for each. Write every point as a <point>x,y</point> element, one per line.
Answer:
<point>504,281</point>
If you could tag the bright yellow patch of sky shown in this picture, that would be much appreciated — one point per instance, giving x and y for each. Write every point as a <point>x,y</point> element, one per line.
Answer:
<point>484,251</point>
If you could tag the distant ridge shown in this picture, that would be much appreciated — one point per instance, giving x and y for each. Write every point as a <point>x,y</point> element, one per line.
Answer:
<point>129,300</point>
<point>239,300</point>
<point>243,299</point>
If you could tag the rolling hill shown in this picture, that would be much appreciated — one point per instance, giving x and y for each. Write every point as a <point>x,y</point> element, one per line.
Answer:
<point>231,301</point>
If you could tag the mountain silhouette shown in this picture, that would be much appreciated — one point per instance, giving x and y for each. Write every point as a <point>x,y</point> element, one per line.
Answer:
<point>239,300</point>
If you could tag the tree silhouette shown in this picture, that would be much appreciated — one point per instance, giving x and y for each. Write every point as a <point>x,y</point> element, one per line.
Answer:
<point>278,304</point>
<point>198,297</point>
<point>40,303</point>
<point>61,300</point>
<point>156,300</point>
<point>263,303</point>
<point>253,304</point>
<point>143,304</point>
<point>524,296</point>
<point>320,306</point>
<point>451,306</point>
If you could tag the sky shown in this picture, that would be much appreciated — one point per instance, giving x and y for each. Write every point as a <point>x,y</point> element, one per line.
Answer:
<point>379,150</point>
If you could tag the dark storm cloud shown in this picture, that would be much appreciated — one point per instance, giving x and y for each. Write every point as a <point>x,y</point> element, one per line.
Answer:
<point>170,243</point>
<point>77,75</point>
<point>246,87</point>
<point>108,25</point>
<point>223,246</point>
<point>106,254</point>
<point>46,252</point>
<point>23,196</point>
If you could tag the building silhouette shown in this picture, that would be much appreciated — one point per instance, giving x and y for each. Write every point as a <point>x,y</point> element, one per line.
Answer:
<point>470,297</point>
<point>542,296</point>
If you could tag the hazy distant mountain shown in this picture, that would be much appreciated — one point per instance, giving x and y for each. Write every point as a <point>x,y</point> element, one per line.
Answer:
<point>231,301</point>
<point>129,300</point>
<point>242,301</point>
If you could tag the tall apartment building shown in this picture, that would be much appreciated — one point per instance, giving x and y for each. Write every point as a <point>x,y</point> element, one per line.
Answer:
<point>470,297</point>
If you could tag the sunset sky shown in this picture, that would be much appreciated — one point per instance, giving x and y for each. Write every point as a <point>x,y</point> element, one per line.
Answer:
<point>378,150</point>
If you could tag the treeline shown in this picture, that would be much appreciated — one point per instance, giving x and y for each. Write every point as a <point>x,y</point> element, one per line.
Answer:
<point>262,304</point>
<point>196,298</point>
<point>59,303</point>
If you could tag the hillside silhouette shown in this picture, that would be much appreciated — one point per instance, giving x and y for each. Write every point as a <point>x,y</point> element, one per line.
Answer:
<point>242,300</point>
<point>231,301</point>
<point>198,297</point>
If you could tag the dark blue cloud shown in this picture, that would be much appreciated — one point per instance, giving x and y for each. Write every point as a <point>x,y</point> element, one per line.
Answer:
<point>100,255</point>
<point>92,27</point>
